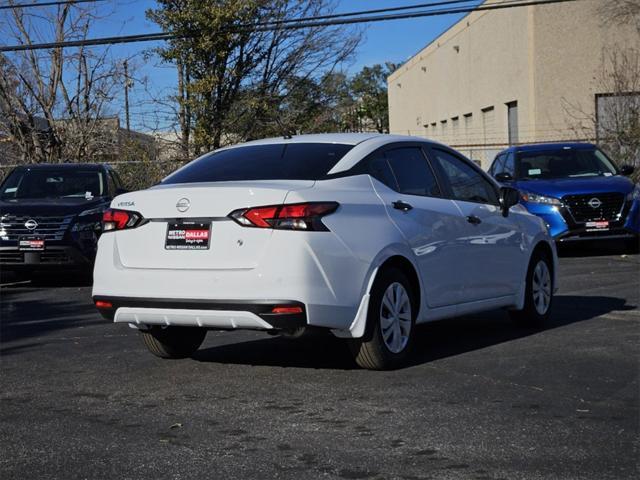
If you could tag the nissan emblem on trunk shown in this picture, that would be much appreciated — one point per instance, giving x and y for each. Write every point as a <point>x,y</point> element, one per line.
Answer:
<point>183,204</point>
<point>595,203</point>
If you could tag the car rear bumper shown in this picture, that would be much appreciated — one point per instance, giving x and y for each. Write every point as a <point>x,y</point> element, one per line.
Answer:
<point>51,258</point>
<point>315,271</point>
<point>229,315</point>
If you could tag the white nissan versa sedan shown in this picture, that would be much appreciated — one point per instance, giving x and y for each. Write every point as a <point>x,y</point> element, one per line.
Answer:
<point>364,235</point>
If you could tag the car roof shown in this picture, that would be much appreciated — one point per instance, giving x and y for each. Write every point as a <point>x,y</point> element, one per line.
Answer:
<point>363,143</point>
<point>63,166</point>
<point>341,138</point>
<point>544,147</point>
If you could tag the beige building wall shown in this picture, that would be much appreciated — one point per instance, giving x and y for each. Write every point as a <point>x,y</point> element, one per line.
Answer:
<point>572,48</point>
<point>546,58</point>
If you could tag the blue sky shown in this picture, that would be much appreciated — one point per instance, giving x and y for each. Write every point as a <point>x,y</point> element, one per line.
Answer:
<point>394,41</point>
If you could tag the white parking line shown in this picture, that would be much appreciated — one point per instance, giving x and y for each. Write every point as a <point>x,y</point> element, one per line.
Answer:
<point>21,282</point>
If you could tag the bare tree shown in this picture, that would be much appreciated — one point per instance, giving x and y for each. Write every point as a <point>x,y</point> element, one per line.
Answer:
<point>621,12</point>
<point>289,60</point>
<point>232,73</point>
<point>615,120</point>
<point>53,102</point>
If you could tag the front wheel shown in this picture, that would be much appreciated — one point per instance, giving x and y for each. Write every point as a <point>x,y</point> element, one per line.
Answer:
<point>390,323</point>
<point>538,293</point>
<point>173,342</point>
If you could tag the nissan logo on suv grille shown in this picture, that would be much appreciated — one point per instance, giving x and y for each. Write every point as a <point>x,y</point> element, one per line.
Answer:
<point>183,204</point>
<point>595,203</point>
<point>31,224</point>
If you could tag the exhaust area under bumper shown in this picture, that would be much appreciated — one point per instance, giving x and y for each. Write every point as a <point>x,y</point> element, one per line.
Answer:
<point>226,315</point>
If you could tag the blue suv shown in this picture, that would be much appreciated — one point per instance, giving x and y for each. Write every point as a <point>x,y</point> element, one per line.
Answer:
<point>578,191</point>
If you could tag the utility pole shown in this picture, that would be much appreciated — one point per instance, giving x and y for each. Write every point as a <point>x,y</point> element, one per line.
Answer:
<point>126,96</point>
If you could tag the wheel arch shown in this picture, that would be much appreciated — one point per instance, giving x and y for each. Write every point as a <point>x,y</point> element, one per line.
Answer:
<point>390,257</point>
<point>543,247</point>
<point>403,264</point>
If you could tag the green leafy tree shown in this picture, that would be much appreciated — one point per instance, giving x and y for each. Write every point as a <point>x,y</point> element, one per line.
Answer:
<point>369,88</point>
<point>235,77</point>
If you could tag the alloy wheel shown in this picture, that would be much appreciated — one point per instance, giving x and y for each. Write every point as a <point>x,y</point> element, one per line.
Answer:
<point>541,287</point>
<point>395,317</point>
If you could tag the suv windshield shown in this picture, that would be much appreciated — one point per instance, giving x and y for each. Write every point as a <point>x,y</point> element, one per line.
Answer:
<point>294,161</point>
<point>565,163</point>
<point>53,183</point>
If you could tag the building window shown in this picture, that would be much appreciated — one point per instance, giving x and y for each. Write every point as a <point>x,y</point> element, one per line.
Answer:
<point>512,122</point>
<point>488,121</point>
<point>443,128</point>
<point>455,126</point>
<point>468,125</point>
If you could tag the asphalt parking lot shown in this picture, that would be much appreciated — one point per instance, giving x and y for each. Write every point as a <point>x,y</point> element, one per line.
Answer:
<point>82,398</point>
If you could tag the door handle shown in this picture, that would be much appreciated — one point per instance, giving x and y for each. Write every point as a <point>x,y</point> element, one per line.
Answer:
<point>400,205</point>
<point>472,219</point>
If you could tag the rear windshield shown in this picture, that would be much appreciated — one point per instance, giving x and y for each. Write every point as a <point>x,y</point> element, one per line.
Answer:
<point>565,163</point>
<point>52,183</point>
<point>294,161</point>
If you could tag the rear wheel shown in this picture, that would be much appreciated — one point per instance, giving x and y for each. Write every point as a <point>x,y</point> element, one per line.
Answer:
<point>391,316</point>
<point>538,293</point>
<point>173,342</point>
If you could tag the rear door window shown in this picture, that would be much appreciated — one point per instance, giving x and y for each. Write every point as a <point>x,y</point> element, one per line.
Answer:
<point>293,161</point>
<point>412,172</point>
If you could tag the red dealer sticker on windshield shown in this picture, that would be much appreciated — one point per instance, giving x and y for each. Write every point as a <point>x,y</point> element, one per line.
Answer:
<point>188,236</point>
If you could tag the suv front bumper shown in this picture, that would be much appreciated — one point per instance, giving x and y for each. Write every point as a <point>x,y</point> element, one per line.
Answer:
<point>11,258</point>
<point>563,228</point>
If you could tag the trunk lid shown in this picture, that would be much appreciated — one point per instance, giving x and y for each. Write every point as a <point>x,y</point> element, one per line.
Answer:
<point>231,246</point>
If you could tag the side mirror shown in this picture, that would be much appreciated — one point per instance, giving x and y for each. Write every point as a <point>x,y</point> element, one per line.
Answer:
<point>120,191</point>
<point>503,177</point>
<point>508,198</point>
<point>627,170</point>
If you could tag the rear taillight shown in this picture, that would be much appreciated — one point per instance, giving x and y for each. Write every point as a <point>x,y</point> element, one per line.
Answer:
<point>103,304</point>
<point>113,219</point>
<point>294,216</point>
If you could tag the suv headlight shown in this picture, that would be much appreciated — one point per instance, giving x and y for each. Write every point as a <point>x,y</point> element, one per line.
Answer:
<point>634,194</point>
<point>88,220</point>
<point>535,198</point>
<point>92,211</point>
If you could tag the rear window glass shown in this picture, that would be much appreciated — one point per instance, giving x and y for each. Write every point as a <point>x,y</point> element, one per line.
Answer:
<point>294,161</point>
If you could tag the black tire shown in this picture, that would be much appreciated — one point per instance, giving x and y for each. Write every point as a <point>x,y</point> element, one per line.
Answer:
<point>530,315</point>
<point>173,342</point>
<point>371,351</point>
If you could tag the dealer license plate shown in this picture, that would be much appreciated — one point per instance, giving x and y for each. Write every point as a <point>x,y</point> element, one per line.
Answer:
<point>597,226</point>
<point>31,244</point>
<point>188,236</point>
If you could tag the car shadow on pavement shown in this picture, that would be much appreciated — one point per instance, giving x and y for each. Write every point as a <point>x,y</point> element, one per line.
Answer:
<point>23,318</point>
<point>599,248</point>
<point>434,340</point>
